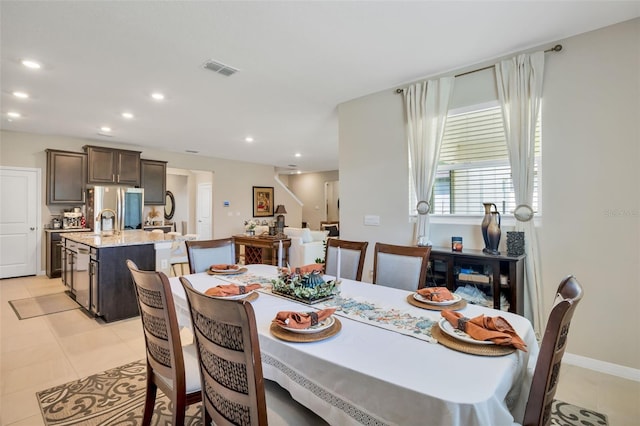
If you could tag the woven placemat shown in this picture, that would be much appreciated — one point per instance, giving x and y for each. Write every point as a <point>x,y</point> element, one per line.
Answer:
<point>290,336</point>
<point>453,307</point>
<point>229,272</point>
<point>485,350</point>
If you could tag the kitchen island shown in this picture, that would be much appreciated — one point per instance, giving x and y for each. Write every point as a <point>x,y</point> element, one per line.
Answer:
<point>96,274</point>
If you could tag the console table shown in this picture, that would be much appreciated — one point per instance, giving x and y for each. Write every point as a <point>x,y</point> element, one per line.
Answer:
<point>495,274</point>
<point>262,249</point>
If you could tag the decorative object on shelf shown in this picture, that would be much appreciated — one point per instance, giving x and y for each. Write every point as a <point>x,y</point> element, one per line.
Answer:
<point>485,222</point>
<point>250,227</point>
<point>491,229</point>
<point>308,288</point>
<point>280,211</point>
<point>154,216</point>
<point>456,243</point>
<point>515,243</point>
<point>262,201</point>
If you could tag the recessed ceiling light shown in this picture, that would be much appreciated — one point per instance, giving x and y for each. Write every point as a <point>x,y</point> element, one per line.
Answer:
<point>14,114</point>
<point>127,115</point>
<point>298,154</point>
<point>298,172</point>
<point>31,64</point>
<point>105,129</point>
<point>248,139</point>
<point>157,96</point>
<point>21,95</point>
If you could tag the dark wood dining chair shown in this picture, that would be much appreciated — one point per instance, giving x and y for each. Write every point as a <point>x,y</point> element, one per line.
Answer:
<point>234,391</point>
<point>204,253</point>
<point>170,366</point>
<point>554,342</point>
<point>352,255</point>
<point>403,267</point>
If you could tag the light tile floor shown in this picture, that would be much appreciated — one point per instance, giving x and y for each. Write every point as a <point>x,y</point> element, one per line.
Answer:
<point>42,352</point>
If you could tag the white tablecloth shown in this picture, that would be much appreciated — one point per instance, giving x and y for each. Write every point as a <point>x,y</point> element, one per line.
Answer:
<point>369,375</point>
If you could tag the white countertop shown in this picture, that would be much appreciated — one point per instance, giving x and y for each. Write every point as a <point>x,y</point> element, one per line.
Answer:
<point>124,238</point>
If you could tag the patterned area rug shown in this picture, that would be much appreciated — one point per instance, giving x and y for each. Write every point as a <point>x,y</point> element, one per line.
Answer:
<point>43,305</point>
<point>116,396</point>
<point>113,397</point>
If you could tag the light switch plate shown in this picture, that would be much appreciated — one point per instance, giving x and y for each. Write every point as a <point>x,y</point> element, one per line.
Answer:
<point>371,220</point>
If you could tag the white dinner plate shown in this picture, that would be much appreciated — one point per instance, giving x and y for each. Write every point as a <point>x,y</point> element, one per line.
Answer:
<point>222,271</point>
<point>314,329</point>
<point>235,297</point>
<point>421,298</point>
<point>459,334</point>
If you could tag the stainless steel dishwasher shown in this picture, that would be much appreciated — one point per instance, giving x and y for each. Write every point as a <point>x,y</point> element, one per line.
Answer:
<point>81,279</point>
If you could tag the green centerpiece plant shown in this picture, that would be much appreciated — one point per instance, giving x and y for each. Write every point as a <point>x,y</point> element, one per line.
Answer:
<point>308,287</point>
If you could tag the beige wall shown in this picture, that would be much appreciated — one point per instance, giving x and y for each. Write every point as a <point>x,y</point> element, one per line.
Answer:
<point>590,223</point>
<point>232,180</point>
<point>310,189</point>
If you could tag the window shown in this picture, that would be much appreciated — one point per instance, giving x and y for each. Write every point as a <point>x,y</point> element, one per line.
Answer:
<point>474,166</point>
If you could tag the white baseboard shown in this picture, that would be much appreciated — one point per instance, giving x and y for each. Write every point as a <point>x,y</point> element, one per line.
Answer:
<point>602,366</point>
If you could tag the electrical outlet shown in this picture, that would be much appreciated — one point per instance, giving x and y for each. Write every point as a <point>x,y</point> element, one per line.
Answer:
<point>164,264</point>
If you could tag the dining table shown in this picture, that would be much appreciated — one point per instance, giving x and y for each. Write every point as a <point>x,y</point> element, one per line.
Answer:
<point>384,366</point>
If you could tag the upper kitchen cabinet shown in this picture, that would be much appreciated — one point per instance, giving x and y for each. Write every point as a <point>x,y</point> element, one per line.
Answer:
<point>66,177</point>
<point>113,166</point>
<point>154,181</point>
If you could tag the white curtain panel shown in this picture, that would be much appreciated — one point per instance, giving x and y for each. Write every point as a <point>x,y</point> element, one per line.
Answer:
<point>520,91</point>
<point>426,108</point>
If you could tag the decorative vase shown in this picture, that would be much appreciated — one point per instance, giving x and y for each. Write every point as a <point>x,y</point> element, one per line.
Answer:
<point>485,223</point>
<point>493,234</point>
<point>251,232</point>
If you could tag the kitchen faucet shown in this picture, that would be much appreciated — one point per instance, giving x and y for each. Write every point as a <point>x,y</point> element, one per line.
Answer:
<point>115,229</point>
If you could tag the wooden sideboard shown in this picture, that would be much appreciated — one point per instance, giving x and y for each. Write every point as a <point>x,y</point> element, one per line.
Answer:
<point>261,249</point>
<point>493,274</point>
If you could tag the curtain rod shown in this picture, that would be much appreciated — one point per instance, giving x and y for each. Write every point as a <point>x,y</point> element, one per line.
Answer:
<point>556,48</point>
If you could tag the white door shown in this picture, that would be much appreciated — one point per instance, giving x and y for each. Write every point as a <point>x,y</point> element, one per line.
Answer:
<point>203,209</point>
<point>19,219</point>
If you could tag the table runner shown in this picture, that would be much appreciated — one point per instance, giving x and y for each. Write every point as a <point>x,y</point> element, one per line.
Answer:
<point>358,309</point>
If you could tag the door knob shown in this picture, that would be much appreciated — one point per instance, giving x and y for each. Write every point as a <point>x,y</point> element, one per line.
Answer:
<point>32,228</point>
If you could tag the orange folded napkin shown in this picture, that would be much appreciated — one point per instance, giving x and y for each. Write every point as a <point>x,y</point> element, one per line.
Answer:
<point>223,267</point>
<point>307,269</point>
<point>302,320</point>
<point>496,329</point>
<point>231,290</point>
<point>436,294</point>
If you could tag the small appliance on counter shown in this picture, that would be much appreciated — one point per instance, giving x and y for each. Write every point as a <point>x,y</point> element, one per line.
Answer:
<point>56,223</point>
<point>72,220</point>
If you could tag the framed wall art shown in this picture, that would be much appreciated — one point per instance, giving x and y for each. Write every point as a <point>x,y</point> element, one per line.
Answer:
<point>262,201</point>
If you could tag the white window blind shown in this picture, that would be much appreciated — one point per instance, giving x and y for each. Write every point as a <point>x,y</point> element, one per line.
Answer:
<point>474,166</point>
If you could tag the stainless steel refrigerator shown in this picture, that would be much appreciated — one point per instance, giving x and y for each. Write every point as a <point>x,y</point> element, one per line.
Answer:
<point>114,208</point>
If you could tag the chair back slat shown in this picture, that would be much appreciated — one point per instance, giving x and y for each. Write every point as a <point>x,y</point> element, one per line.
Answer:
<point>403,267</point>
<point>204,253</point>
<point>226,336</point>
<point>554,343</point>
<point>352,255</point>
<point>160,324</point>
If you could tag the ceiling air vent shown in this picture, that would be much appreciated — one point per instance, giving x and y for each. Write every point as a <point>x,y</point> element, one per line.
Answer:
<point>220,68</point>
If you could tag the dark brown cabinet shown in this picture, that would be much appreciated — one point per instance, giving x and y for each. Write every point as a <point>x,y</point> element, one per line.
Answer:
<point>54,254</point>
<point>66,177</point>
<point>494,275</point>
<point>112,166</point>
<point>153,175</point>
